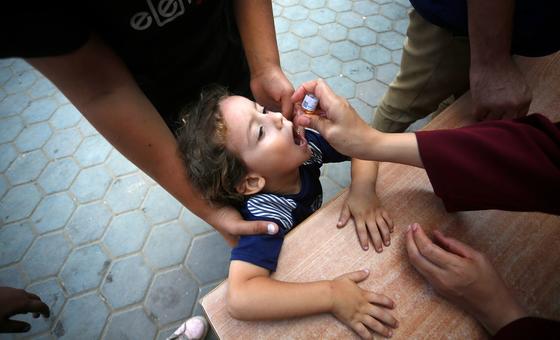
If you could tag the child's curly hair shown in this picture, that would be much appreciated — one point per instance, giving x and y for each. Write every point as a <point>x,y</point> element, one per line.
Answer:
<point>211,167</point>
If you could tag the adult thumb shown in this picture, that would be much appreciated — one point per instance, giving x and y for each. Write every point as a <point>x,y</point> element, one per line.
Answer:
<point>357,276</point>
<point>257,227</point>
<point>15,326</point>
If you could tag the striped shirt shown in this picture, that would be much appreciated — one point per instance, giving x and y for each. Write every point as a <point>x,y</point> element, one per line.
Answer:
<point>287,211</point>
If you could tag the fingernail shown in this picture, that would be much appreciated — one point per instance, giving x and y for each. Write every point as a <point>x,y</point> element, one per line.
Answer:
<point>390,334</point>
<point>366,271</point>
<point>271,229</point>
<point>365,247</point>
<point>415,226</point>
<point>408,228</point>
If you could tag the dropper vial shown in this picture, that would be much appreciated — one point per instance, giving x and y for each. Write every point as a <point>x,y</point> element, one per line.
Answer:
<point>309,104</point>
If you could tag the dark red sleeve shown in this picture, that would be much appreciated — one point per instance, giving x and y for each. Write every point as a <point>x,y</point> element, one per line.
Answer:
<point>506,165</point>
<point>529,328</point>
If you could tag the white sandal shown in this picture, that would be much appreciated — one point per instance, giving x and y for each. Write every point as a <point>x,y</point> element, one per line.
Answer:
<point>194,328</point>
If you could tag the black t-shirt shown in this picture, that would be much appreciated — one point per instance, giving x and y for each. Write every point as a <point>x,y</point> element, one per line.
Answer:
<point>173,48</point>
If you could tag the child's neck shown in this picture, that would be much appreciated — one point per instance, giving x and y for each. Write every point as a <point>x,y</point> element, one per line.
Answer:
<point>285,184</point>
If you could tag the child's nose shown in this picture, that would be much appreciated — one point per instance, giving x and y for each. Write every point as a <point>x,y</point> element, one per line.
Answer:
<point>278,119</point>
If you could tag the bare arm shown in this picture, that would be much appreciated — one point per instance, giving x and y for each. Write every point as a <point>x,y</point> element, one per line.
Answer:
<point>254,295</point>
<point>100,86</point>
<point>497,86</point>
<point>269,85</point>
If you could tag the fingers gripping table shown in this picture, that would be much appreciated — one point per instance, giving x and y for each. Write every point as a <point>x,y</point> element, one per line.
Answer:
<point>524,247</point>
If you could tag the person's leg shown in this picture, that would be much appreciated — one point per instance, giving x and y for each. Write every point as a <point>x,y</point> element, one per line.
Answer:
<point>435,65</point>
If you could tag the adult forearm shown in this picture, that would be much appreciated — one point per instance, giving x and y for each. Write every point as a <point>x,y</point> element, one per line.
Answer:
<point>263,298</point>
<point>490,27</point>
<point>256,26</point>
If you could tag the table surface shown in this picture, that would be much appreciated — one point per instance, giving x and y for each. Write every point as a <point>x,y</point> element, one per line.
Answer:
<point>522,246</point>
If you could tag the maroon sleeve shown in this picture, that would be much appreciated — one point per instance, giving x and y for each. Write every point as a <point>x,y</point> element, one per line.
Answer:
<point>529,328</point>
<point>506,165</point>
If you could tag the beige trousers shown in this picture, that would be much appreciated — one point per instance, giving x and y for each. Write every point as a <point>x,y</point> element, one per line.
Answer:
<point>434,66</point>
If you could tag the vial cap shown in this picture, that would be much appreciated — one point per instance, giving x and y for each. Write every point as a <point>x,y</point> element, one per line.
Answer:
<point>309,102</point>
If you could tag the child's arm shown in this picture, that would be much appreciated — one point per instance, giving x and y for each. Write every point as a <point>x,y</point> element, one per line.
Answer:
<point>254,295</point>
<point>364,206</point>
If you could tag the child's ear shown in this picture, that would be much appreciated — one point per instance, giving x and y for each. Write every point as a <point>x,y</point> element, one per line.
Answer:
<point>251,184</point>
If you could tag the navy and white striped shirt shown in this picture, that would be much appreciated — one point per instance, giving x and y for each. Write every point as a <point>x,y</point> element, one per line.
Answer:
<point>287,211</point>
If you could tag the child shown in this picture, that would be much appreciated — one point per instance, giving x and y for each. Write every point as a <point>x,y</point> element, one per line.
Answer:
<point>239,154</point>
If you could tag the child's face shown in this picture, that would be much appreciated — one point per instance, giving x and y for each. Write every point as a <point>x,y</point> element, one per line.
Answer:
<point>265,142</point>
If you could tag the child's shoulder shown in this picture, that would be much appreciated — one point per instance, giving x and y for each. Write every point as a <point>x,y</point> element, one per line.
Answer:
<point>270,207</point>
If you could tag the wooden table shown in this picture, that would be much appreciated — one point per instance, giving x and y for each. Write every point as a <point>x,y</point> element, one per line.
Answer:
<point>524,247</point>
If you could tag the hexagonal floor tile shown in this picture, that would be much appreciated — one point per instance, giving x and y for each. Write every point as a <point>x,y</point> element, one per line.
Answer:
<point>42,88</point>
<point>172,296</point>
<point>281,25</point>
<point>339,173</point>
<point>322,16</point>
<point>378,23</point>
<point>126,233</point>
<point>376,55</point>
<point>12,277</point>
<point>167,245</point>
<point>15,239</point>
<point>58,175</point>
<point>362,36</point>
<point>13,104</point>
<point>342,86</point>
<point>65,116</point>
<point>339,5</point>
<point>371,92</point>
<point>19,202</point>
<point>86,128</point>
<point>126,193</point>
<point>364,110</point>
<point>20,82</point>
<point>194,224</point>
<point>119,164</point>
<point>26,167</point>
<point>10,127</point>
<point>3,185</point>
<point>295,13</point>
<point>287,42</point>
<point>313,4</point>
<point>51,293</point>
<point>46,256</point>
<point>130,324</point>
<point>345,50</point>
<point>7,155</point>
<point>330,189</point>
<point>295,61</point>
<point>82,318</point>
<point>334,32</point>
<point>304,29</point>
<point>39,110</point>
<point>393,11</point>
<point>63,143</point>
<point>33,137</point>
<point>326,66</point>
<point>358,70</point>
<point>127,281</point>
<point>88,222</point>
<point>350,19</point>
<point>386,73</point>
<point>94,150</point>
<point>160,206</point>
<point>391,40</point>
<point>366,8</point>
<point>315,46</point>
<point>84,269</point>
<point>53,212</point>
<point>91,184</point>
<point>208,259</point>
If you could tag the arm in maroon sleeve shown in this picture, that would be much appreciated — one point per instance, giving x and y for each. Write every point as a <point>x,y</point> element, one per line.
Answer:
<point>507,165</point>
<point>529,328</point>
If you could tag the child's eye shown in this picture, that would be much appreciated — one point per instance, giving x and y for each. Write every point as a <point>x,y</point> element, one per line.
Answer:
<point>265,110</point>
<point>261,133</point>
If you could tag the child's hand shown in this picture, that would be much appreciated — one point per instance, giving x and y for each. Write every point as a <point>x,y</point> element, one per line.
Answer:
<point>369,216</point>
<point>360,309</point>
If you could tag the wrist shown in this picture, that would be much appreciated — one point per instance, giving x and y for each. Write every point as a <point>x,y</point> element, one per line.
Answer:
<point>501,312</point>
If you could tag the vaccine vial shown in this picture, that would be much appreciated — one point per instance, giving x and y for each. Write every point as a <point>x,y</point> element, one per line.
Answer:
<point>309,103</point>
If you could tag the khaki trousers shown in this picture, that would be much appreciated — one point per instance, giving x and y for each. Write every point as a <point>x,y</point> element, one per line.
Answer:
<point>434,66</point>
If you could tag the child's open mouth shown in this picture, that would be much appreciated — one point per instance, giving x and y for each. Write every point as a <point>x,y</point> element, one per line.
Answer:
<point>299,135</point>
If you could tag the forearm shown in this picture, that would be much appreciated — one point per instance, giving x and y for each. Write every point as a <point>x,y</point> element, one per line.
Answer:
<point>256,26</point>
<point>490,27</point>
<point>364,173</point>
<point>391,147</point>
<point>262,298</point>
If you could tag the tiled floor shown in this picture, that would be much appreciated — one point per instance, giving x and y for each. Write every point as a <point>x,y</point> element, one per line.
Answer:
<point>109,250</point>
